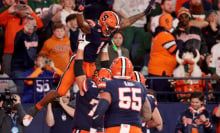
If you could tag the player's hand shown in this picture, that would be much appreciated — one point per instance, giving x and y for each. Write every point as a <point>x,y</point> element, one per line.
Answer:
<point>149,7</point>
<point>80,5</point>
<point>82,44</point>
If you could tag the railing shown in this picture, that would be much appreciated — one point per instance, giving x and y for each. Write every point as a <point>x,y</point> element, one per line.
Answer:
<point>206,92</point>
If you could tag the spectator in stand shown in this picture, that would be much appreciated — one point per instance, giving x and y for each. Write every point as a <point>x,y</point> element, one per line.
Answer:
<point>49,19</point>
<point>8,84</point>
<point>217,8</point>
<point>13,24</point>
<point>40,6</point>
<point>211,32</point>
<point>216,118</point>
<point>196,118</point>
<point>167,7</point>
<point>215,69</point>
<point>188,33</point>
<point>68,6</point>
<point>117,39</point>
<point>60,115</point>
<point>72,31</point>
<point>162,57</point>
<point>179,3</point>
<point>6,5</point>
<point>135,34</point>
<point>11,118</point>
<point>25,50</point>
<point>115,49</point>
<point>198,8</point>
<point>34,90</point>
<point>57,48</point>
<point>188,68</point>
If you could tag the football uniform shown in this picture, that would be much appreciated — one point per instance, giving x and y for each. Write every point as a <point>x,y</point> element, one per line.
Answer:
<point>96,42</point>
<point>85,107</point>
<point>153,103</point>
<point>39,88</point>
<point>123,115</point>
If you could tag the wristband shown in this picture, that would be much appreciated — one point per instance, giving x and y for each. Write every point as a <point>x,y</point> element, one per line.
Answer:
<point>93,130</point>
<point>82,44</point>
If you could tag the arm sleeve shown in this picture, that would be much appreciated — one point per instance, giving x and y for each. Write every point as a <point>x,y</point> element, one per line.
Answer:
<point>21,112</point>
<point>99,113</point>
<point>4,17</point>
<point>35,74</point>
<point>38,20</point>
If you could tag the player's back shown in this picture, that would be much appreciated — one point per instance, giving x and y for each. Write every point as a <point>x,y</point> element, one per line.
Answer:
<point>85,106</point>
<point>127,100</point>
<point>97,42</point>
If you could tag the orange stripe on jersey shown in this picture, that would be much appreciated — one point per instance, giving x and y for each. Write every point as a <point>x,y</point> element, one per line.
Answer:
<point>133,129</point>
<point>91,22</point>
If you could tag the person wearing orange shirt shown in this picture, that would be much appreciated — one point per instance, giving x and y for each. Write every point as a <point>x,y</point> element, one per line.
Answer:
<point>57,48</point>
<point>13,20</point>
<point>162,56</point>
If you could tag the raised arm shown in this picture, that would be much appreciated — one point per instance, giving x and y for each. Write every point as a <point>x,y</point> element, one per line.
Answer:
<point>83,25</point>
<point>129,21</point>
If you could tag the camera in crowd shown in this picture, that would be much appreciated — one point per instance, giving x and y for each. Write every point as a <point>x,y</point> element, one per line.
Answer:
<point>47,61</point>
<point>7,99</point>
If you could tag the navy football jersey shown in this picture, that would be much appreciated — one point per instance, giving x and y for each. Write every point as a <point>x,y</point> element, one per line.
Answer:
<point>85,106</point>
<point>97,42</point>
<point>127,100</point>
<point>34,93</point>
<point>153,103</point>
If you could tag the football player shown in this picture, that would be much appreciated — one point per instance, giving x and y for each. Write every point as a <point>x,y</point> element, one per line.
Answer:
<point>156,120</point>
<point>122,101</point>
<point>95,34</point>
<point>86,104</point>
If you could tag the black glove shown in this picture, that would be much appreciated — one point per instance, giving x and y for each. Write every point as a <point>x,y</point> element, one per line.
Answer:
<point>33,111</point>
<point>149,7</point>
<point>80,5</point>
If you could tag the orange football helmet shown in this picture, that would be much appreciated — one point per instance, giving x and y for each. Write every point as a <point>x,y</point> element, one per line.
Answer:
<point>109,22</point>
<point>101,74</point>
<point>121,67</point>
<point>139,77</point>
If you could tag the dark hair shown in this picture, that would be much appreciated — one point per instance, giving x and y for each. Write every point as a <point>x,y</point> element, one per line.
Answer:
<point>198,95</point>
<point>70,17</point>
<point>40,55</point>
<point>163,1</point>
<point>58,26</point>
<point>120,32</point>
